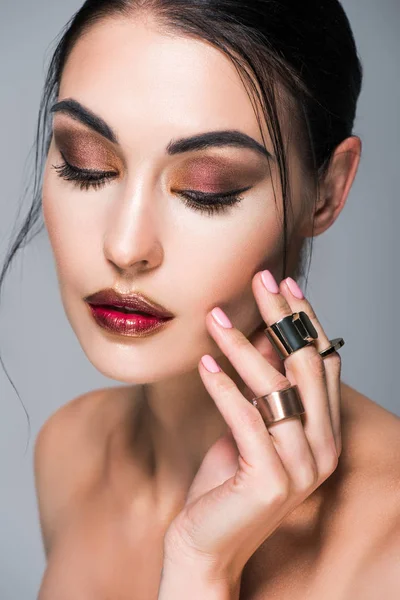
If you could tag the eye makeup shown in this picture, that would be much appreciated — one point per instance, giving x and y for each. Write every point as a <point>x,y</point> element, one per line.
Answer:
<point>82,148</point>
<point>210,183</point>
<point>217,174</point>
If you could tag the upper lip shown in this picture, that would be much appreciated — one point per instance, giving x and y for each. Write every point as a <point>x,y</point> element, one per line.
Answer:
<point>138,301</point>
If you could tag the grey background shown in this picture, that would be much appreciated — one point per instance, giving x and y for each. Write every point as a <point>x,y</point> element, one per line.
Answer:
<point>353,283</point>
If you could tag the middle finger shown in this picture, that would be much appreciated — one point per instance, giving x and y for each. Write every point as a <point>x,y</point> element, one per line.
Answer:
<point>304,367</point>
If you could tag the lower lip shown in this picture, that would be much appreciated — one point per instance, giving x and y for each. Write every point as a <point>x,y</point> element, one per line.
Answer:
<point>131,324</point>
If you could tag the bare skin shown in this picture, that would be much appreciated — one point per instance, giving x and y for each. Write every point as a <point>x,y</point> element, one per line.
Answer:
<point>112,471</point>
<point>104,516</point>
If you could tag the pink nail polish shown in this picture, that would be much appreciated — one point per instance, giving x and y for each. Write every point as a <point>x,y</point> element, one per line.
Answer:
<point>221,317</point>
<point>294,288</point>
<point>269,282</point>
<point>210,364</point>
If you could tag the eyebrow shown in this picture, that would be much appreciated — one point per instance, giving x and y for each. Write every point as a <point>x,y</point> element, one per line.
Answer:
<point>229,137</point>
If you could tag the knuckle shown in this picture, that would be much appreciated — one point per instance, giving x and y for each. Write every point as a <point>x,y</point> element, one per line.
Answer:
<point>306,477</point>
<point>271,488</point>
<point>328,463</point>
<point>240,340</point>
<point>316,363</point>
<point>278,382</point>
<point>278,492</point>
<point>251,420</point>
<point>225,386</point>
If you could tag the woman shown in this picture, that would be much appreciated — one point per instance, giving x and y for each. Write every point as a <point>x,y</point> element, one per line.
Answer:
<point>194,150</point>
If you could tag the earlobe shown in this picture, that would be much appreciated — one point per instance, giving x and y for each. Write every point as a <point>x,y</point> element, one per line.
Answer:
<point>335,187</point>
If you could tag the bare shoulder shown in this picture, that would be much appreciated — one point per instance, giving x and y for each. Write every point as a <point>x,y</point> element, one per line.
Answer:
<point>68,453</point>
<point>349,393</point>
<point>371,446</point>
<point>371,432</point>
<point>371,506</point>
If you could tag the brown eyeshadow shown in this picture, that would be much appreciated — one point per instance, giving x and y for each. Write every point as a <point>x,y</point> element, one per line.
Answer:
<point>84,150</point>
<point>212,173</point>
<point>215,174</point>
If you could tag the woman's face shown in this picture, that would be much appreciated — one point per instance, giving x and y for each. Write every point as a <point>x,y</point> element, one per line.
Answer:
<point>136,232</point>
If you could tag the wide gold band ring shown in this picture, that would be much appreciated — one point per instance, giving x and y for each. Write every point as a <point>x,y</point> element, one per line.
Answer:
<point>279,405</point>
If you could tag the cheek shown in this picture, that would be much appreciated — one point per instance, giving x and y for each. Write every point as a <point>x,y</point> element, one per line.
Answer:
<point>220,267</point>
<point>52,215</point>
<point>68,239</point>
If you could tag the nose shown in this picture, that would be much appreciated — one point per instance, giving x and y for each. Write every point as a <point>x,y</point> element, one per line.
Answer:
<point>132,236</point>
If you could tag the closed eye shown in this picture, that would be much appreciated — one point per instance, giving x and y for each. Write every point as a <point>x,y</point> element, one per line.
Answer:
<point>84,178</point>
<point>212,203</point>
<point>201,201</point>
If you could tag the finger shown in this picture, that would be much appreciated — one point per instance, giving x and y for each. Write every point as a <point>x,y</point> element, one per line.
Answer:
<point>258,458</point>
<point>262,378</point>
<point>332,362</point>
<point>263,344</point>
<point>304,367</point>
<point>219,464</point>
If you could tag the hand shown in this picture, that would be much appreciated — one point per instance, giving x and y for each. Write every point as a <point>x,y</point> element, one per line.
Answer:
<point>253,476</point>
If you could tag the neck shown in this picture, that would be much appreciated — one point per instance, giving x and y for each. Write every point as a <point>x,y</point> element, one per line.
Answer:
<point>179,422</point>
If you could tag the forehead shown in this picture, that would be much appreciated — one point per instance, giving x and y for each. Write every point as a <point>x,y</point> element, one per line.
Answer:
<point>139,79</point>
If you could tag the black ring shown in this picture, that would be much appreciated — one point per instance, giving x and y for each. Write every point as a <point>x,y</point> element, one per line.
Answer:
<point>335,345</point>
<point>291,333</point>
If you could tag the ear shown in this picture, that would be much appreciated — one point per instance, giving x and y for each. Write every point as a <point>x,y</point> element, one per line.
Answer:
<point>335,186</point>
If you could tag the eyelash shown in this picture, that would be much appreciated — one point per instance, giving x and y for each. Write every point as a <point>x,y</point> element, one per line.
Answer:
<point>83,178</point>
<point>86,179</point>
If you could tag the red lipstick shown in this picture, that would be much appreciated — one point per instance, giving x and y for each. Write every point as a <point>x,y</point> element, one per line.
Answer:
<point>132,314</point>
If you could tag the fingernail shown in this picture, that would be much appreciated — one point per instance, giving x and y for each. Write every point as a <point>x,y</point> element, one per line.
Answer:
<point>221,317</point>
<point>210,363</point>
<point>294,288</point>
<point>269,282</point>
